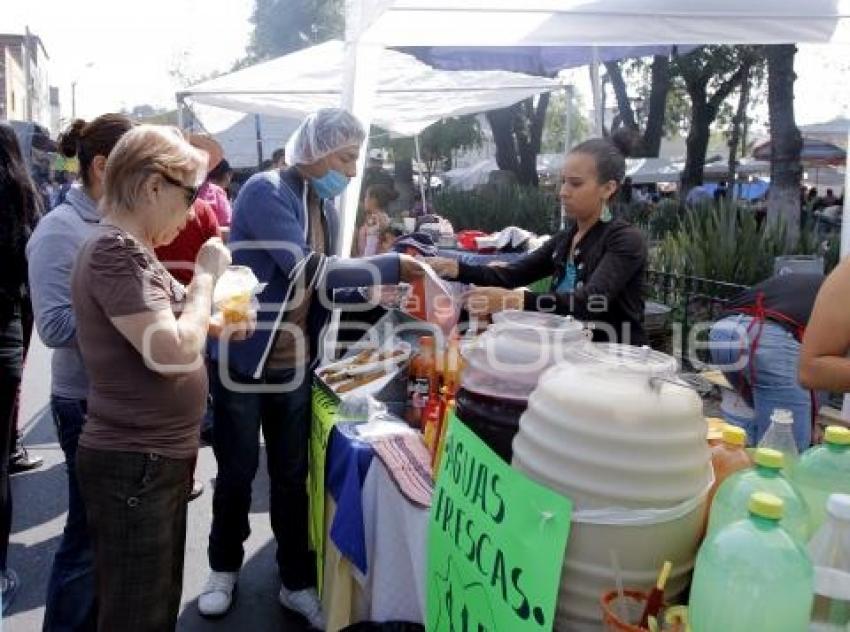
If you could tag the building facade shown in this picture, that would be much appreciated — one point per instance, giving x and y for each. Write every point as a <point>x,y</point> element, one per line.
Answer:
<point>22,58</point>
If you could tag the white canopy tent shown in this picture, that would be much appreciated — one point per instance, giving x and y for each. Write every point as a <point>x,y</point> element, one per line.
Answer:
<point>410,94</point>
<point>373,24</point>
<point>597,22</point>
<point>237,133</point>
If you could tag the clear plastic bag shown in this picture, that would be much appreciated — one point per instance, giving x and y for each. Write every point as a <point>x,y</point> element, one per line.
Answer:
<point>235,293</point>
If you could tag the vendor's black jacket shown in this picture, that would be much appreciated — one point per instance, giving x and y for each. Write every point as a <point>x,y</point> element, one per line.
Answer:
<point>610,262</point>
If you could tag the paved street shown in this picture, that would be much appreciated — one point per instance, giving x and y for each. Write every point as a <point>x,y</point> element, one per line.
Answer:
<point>40,501</point>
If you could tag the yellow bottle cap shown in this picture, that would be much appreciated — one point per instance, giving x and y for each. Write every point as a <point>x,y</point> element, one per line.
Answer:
<point>766,506</point>
<point>837,435</point>
<point>773,459</point>
<point>734,435</point>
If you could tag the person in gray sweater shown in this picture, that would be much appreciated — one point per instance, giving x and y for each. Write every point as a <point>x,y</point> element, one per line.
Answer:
<point>51,252</point>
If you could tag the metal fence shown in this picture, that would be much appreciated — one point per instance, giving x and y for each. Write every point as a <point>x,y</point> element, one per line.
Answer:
<point>692,300</point>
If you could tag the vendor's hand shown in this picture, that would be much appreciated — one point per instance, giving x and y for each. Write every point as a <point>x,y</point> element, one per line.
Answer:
<point>239,330</point>
<point>483,301</point>
<point>445,267</point>
<point>411,269</point>
<point>213,258</point>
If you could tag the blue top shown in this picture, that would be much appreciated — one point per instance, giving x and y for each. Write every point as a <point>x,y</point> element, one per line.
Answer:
<point>269,234</point>
<point>51,252</point>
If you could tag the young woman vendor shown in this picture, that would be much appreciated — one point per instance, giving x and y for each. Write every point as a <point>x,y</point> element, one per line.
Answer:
<point>597,266</point>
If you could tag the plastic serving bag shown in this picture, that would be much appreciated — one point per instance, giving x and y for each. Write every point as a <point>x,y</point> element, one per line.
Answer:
<point>436,301</point>
<point>235,293</point>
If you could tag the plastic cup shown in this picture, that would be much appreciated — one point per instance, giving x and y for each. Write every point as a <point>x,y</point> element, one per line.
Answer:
<point>614,608</point>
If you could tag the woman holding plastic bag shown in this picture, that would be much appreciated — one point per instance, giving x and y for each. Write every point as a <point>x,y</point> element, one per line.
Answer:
<point>597,266</point>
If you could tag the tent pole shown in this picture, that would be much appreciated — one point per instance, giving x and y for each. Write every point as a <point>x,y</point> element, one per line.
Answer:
<point>568,117</point>
<point>419,161</point>
<point>845,247</point>
<point>598,114</point>
<point>181,123</point>
<point>259,132</point>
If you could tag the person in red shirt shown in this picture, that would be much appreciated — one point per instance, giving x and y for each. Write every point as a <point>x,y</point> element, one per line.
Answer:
<point>179,259</point>
<point>179,256</point>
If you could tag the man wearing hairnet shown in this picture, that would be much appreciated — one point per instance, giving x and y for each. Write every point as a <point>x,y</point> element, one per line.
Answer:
<point>285,229</point>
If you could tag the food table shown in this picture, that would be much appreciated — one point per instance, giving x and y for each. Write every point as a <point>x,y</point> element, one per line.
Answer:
<point>366,577</point>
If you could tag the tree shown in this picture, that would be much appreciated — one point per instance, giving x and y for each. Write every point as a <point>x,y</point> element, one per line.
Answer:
<point>518,134</point>
<point>710,75</point>
<point>284,26</point>
<point>786,171</point>
<point>439,141</point>
<point>755,71</point>
<point>437,145</point>
<point>653,83</point>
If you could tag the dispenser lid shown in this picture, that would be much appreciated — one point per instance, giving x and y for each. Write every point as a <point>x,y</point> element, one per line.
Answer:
<point>627,358</point>
<point>767,457</point>
<point>766,505</point>
<point>838,506</point>
<point>536,320</point>
<point>837,435</point>
<point>734,435</point>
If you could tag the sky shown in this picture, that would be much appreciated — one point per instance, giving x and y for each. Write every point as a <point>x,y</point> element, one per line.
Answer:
<point>134,51</point>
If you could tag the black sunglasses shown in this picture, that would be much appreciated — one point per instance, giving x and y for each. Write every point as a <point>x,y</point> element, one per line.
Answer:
<point>191,192</point>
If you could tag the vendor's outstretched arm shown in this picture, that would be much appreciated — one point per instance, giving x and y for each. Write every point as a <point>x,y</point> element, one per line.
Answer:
<point>823,357</point>
<point>524,271</point>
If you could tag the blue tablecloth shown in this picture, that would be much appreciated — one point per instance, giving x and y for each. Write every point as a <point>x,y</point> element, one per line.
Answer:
<point>348,462</point>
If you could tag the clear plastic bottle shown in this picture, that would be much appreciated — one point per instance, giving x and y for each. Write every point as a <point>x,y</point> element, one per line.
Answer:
<point>823,470</point>
<point>730,503</point>
<point>830,553</point>
<point>729,456</point>
<point>752,576</point>
<point>780,436</point>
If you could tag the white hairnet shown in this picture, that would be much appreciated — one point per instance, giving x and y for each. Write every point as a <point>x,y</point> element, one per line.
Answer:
<point>321,134</point>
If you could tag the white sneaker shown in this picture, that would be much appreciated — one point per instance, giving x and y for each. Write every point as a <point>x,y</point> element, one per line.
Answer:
<point>217,596</point>
<point>304,602</point>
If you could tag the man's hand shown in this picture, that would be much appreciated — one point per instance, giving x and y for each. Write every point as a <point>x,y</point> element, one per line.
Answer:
<point>236,331</point>
<point>445,267</point>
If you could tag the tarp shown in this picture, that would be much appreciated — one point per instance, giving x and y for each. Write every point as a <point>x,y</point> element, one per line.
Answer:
<point>640,170</point>
<point>535,60</point>
<point>601,22</point>
<point>410,94</point>
<point>814,152</point>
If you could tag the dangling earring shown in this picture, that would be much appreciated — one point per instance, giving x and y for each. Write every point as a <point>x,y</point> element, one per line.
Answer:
<point>606,213</point>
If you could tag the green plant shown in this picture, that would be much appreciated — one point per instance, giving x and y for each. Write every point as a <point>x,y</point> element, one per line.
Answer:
<point>727,243</point>
<point>492,208</point>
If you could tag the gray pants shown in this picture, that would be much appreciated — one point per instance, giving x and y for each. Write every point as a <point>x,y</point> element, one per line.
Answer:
<point>136,510</point>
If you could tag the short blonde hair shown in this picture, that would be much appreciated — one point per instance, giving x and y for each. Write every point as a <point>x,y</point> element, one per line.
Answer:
<point>143,151</point>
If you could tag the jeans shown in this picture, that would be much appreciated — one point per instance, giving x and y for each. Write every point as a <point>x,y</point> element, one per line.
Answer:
<point>71,589</point>
<point>285,421</point>
<point>136,511</point>
<point>775,363</point>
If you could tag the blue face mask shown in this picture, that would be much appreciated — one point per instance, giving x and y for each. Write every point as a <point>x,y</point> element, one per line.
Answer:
<point>330,185</point>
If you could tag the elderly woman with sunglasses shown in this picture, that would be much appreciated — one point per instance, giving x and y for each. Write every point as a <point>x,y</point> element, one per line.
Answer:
<point>141,335</point>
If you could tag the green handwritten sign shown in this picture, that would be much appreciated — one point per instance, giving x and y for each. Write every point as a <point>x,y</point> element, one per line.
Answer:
<point>324,419</point>
<point>496,543</point>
